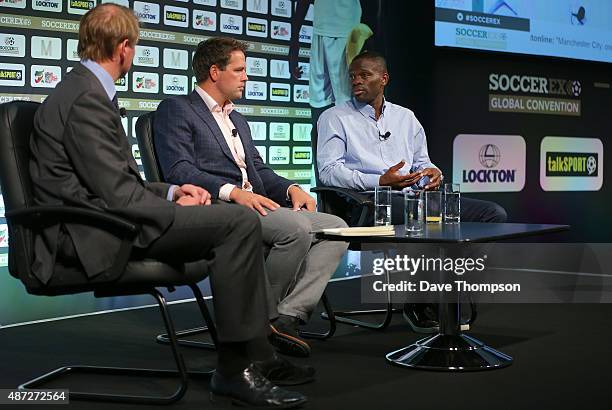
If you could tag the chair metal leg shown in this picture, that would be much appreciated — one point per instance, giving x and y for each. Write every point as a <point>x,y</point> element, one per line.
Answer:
<point>163,338</point>
<point>181,372</point>
<point>332,322</point>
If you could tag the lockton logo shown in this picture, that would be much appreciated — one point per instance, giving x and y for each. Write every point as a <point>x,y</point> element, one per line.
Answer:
<point>281,8</point>
<point>147,12</point>
<point>80,6</point>
<point>257,6</point>
<point>146,56</point>
<point>12,75</point>
<point>71,50</point>
<point>279,155</point>
<point>256,90</point>
<point>280,92</point>
<point>176,16</point>
<point>302,155</point>
<point>231,24</point>
<point>176,59</point>
<point>279,131</point>
<point>204,20</point>
<point>301,93</point>
<point>306,34</point>
<point>12,45</point>
<point>489,163</point>
<point>45,76</point>
<point>281,30</point>
<point>256,27</point>
<point>121,84</point>
<point>176,84</point>
<point>258,130</point>
<point>279,69</point>
<point>571,164</point>
<point>145,82</point>
<point>543,95</point>
<point>256,66</point>
<point>17,4</point>
<point>49,48</point>
<point>301,132</point>
<point>47,5</point>
<point>232,4</point>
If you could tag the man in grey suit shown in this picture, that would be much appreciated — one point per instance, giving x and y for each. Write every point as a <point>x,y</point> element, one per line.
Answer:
<point>200,139</point>
<point>81,157</point>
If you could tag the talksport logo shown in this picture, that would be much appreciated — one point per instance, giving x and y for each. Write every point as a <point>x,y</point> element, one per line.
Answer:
<point>147,12</point>
<point>176,16</point>
<point>306,34</point>
<point>256,90</point>
<point>302,155</point>
<point>544,95</point>
<point>176,59</point>
<point>121,84</point>
<point>281,8</point>
<point>280,92</point>
<point>49,48</point>
<point>279,131</point>
<point>72,53</point>
<point>12,45</point>
<point>256,27</point>
<point>80,6</point>
<point>16,4</point>
<point>279,155</point>
<point>47,5</point>
<point>302,131</point>
<point>257,6</point>
<point>45,76</point>
<point>146,56</point>
<point>281,30</point>
<point>231,24</point>
<point>258,130</point>
<point>12,75</point>
<point>145,82</point>
<point>204,20</point>
<point>232,4</point>
<point>301,93</point>
<point>256,66</point>
<point>176,84</point>
<point>489,163</point>
<point>571,164</point>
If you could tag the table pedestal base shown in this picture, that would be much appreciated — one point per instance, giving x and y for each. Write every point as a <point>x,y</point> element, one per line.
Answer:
<point>449,353</point>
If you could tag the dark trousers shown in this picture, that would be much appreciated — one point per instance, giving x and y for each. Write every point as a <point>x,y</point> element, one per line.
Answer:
<point>229,236</point>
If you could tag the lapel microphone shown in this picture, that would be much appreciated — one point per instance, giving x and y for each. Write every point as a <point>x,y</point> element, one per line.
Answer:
<point>122,112</point>
<point>385,136</point>
<point>235,133</point>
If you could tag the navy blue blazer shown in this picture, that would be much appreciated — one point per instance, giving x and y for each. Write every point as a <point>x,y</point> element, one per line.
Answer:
<point>192,150</point>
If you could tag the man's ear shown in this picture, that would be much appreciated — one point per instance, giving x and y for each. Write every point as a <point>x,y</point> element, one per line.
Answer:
<point>385,79</point>
<point>213,72</point>
<point>120,50</point>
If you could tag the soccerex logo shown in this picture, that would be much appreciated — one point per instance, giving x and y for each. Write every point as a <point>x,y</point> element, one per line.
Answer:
<point>534,85</point>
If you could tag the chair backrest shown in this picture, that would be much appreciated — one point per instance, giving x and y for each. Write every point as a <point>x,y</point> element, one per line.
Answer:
<point>16,123</point>
<point>146,144</point>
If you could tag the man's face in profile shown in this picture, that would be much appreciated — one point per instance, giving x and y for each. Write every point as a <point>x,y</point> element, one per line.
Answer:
<point>368,79</point>
<point>233,78</point>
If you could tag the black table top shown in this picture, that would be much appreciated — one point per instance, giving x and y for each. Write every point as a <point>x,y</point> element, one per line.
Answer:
<point>455,233</point>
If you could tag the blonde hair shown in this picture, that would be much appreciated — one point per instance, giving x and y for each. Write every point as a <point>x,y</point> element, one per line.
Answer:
<point>103,28</point>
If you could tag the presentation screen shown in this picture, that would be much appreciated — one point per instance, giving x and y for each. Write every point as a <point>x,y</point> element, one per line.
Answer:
<point>579,29</point>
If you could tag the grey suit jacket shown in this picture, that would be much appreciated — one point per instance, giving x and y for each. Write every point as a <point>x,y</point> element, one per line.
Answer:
<point>191,149</point>
<point>80,156</point>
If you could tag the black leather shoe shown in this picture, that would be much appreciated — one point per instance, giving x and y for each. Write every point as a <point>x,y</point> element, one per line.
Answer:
<point>422,317</point>
<point>284,337</point>
<point>282,372</point>
<point>251,389</point>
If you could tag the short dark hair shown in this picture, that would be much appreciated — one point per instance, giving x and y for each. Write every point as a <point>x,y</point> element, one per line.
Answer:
<point>374,56</point>
<point>214,51</point>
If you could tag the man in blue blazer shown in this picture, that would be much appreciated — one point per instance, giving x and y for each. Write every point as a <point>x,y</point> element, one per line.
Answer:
<point>200,139</point>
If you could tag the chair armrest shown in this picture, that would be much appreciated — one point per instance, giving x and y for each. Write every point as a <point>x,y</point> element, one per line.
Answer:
<point>51,214</point>
<point>361,199</point>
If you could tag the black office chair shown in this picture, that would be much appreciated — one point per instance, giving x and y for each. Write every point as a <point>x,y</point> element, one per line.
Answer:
<point>127,277</point>
<point>152,170</point>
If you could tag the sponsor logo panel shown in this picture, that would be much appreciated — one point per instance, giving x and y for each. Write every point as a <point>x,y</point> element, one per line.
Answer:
<point>176,59</point>
<point>262,152</point>
<point>571,164</point>
<point>80,6</point>
<point>281,8</point>
<point>279,155</point>
<point>489,163</point>
<point>146,56</point>
<point>232,4</point>
<point>42,76</point>
<point>256,27</point>
<point>279,69</point>
<point>176,84</point>
<point>258,130</point>
<point>206,2</point>
<point>256,66</point>
<point>281,30</point>
<point>176,16</point>
<point>147,12</point>
<point>279,131</point>
<point>231,23</point>
<point>256,90</point>
<point>121,84</point>
<point>12,45</point>
<point>204,20</point>
<point>257,6</point>
<point>136,154</point>
<point>48,48</point>
<point>134,120</point>
<point>145,82</point>
<point>4,236</point>
<point>301,131</point>
<point>16,4</point>
<point>124,3</point>
<point>280,92</point>
<point>72,50</point>
<point>301,93</point>
<point>47,5</point>
<point>306,34</point>
<point>305,70</point>
<point>302,155</point>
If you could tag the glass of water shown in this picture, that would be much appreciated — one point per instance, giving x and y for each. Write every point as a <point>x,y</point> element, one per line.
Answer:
<point>452,203</point>
<point>382,205</point>
<point>433,207</point>
<point>414,212</point>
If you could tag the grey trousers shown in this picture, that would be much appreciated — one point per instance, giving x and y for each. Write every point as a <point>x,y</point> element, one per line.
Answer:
<point>298,266</point>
